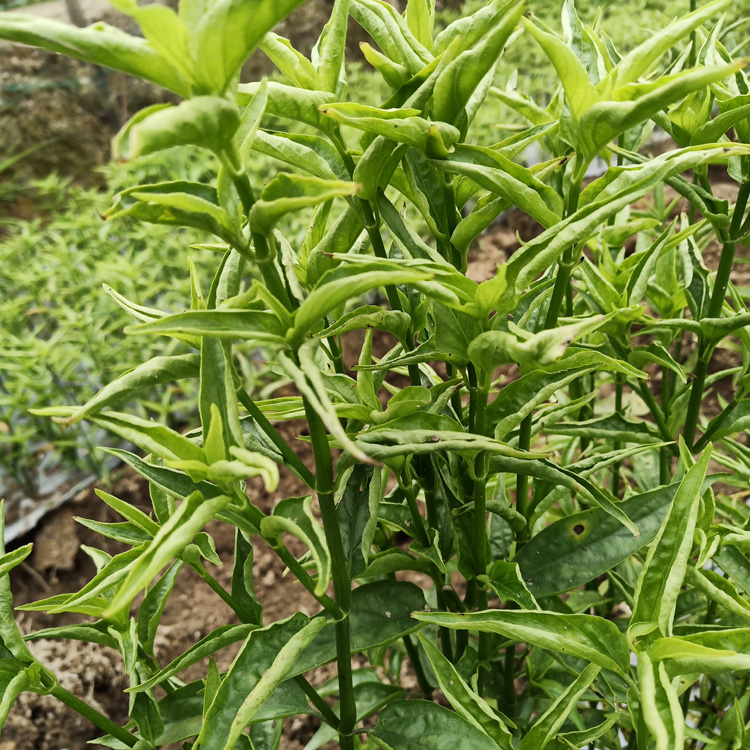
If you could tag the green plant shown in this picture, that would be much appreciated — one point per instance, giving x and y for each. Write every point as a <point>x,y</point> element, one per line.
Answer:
<point>63,337</point>
<point>530,440</point>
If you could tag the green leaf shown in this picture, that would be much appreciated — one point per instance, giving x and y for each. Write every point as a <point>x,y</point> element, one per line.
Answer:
<point>395,75</point>
<point>10,560</point>
<point>292,63</point>
<point>259,668</point>
<point>242,589</point>
<point>225,33</point>
<point>667,560</point>
<point>541,252</point>
<point>331,47</point>
<point>585,636</point>
<point>707,652</point>
<point>223,636</point>
<point>436,139</point>
<point>353,514</point>
<point>419,725</point>
<point>519,398</point>
<point>251,325</point>
<point>147,435</point>
<point>191,516</point>
<point>152,608</point>
<point>659,705</point>
<point>459,80</point>
<point>99,44</point>
<point>95,632</point>
<point>296,104</point>
<point>294,516</point>
<point>381,614</point>
<point>580,92</point>
<point>611,428</point>
<point>718,589</point>
<point>548,724</point>
<point>502,176</point>
<point>244,138</point>
<point>130,512</point>
<point>604,121</point>
<point>218,401</point>
<point>328,295</point>
<point>391,32</point>
<point>11,687</point>
<point>640,60</point>
<point>494,348</point>
<point>308,153</point>
<point>370,695</point>
<point>290,192</point>
<point>180,203</point>
<point>582,546</point>
<point>206,121</point>
<point>504,578</point>
<point>394,322</point>
<point>466,703</point>
<point>160,369</point>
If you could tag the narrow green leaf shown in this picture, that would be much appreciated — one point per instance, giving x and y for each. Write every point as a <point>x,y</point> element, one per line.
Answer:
<point>466,703</point>
<point>100,44</point>
<point>553,718</point>
<point>206,121</point>
<point>192,515</point>
<point>585,636</point>
<point>667,560</point>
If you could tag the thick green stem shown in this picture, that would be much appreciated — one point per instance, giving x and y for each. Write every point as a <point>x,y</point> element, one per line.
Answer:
<point>96,718</point>
<point>714,311</point>
<point>416,517</point>
<point>341,582</point>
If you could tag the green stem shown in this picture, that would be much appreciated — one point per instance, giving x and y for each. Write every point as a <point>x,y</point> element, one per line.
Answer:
<point>413,654</point>
<point>509,678</point>
<point>96,718</point>
<point>656,413</point>
<point>372,227</point>
<point>714,310</point>
<point>714,425</point>
<point>559,293</point>
<point>522,480</point>
<point>289,455</point>
<point>416,517</point>
<point>217,588</point>
<point>616,446</point>
<point>305,579</point>
<point>693,40</point>
<point>325,710</point>
<point>264,255</point>
<point>341,583</point>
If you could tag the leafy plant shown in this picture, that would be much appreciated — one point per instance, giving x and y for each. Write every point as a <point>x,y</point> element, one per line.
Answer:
<point>537,445</point>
